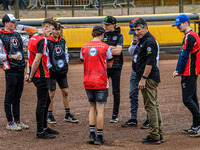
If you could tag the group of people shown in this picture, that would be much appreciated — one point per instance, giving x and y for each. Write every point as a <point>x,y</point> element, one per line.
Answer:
<point>6,3</point>
<point>102,58</point>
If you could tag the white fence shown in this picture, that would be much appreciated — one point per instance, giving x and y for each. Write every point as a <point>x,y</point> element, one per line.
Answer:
<point>38,4</point>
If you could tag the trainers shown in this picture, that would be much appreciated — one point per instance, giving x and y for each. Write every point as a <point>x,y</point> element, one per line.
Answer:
<point>51,131</point>
<point>149,140</point>
<point>191,130</point>
<point>145,125</point>
<point>50,119</point>
<point>71,118</point>
<point>162,140</point>
<point>45,135</point>
<point>22,125</point>
<point>99,140</point>
<point>114,119</point>
<point>196,133</point>
<point>13,127</point>
<point>92,137</point>
<point>129,123</point>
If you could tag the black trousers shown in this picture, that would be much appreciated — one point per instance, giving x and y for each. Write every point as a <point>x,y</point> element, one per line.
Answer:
<point>115,75</point>
<point>43,101</point>
<point>14,88</point>
<point>190,99</point>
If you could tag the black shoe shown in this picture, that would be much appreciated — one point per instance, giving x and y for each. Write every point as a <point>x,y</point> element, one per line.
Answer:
<point>162,140</point>
<point>129,123</point>
<point>92,137</point>
<point>50,119</point>
<point>45,135</point>
<point>149,140</point>
<point>99,140</point>
<point>71,118</point>
<point>145,125</point>
<point>114,119</point>
<point>51,131</point>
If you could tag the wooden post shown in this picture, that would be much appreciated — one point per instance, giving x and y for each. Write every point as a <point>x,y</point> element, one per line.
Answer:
<point>154,7</point>
<point>17,9</point>
<point>180,6</point>
<point>100,7</point>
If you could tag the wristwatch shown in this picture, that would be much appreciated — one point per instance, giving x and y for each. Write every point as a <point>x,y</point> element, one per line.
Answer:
<point>144,77</point>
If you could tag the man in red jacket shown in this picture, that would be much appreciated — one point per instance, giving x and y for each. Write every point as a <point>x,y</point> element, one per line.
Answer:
<point>188,68</point>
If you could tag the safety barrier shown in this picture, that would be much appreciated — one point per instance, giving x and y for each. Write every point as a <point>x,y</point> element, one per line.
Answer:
<point>164,34</point>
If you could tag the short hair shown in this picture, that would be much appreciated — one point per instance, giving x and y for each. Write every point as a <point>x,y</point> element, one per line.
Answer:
<point>49,22</point>
<point>95,34</point>
<point>188,22</point>
<point>139,22</point>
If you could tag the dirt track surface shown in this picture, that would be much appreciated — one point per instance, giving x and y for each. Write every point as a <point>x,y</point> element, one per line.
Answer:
<point>74,136</point>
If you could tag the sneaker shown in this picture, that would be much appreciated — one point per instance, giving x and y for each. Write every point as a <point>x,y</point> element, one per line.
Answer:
<point>51,131</point>
<point>149,140</point>
<point>50,119</point>
<point>196,133</point>
<point>71,118</point>
<point>162,140</point>
<point>92,137</point>
<point>129,123</point>
<point>145,125</point>
<point>114,119</point>
<point>191,130</point>
<point>99,140</point>
<point>22,125</point>
<point>45,135</point>
<point>13,127</point>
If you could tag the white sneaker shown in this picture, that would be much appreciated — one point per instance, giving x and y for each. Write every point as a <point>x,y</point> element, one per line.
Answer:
<point>13,127</point>
<point>22,125</point>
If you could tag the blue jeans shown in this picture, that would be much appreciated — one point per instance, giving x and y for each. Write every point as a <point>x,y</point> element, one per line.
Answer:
<point>115,75</point>
<point>190,99</point>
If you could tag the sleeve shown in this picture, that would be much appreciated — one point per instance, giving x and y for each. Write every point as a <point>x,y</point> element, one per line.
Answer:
<point>3,56</point>
<point>66,53</point>
<point>121,41</point>
<point>151,52</point>
<point>81,56</point>
<point>25,41</point>
<point>109,56</point>
<point>182,60</point>
<point>41,46</point>
<point>132,48</point>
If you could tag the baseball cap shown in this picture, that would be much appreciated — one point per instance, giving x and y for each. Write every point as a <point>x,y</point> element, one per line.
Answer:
<point>110,20</point>
<point>9,18</point>
<point>132,31</point>
<point>98,29</point>
<point>59,25</point>
<point>180,19</point>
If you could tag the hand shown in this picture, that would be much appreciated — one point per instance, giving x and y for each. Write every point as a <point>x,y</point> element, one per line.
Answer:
<point>26,78</point>
<point>135,39</point>
<point>29,80</point>
<point>16,57</point>
<point>175,74</point>
<point>141,84</point>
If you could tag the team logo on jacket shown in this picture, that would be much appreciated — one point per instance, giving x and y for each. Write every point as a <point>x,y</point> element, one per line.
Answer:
<point>58,50</point>
<point>14,42</point>
<point>114,38</point>
<point>92,51</point>
<point>60,63</point>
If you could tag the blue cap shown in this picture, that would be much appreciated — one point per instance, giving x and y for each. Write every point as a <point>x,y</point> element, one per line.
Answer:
<point>132,31</point>
<point>180,19</point>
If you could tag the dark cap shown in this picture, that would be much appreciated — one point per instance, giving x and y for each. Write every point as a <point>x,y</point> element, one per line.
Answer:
<point>59,25</point>
<point>110,20</point>
<point>9,18</point>
<point>98,29</point>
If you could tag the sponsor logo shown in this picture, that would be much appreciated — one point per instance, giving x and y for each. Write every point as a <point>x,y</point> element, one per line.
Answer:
<point>60,63</point>
<point>14,42</point>
<point>92,51</point>
<point>58,50</point>
<point>114,38</point>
